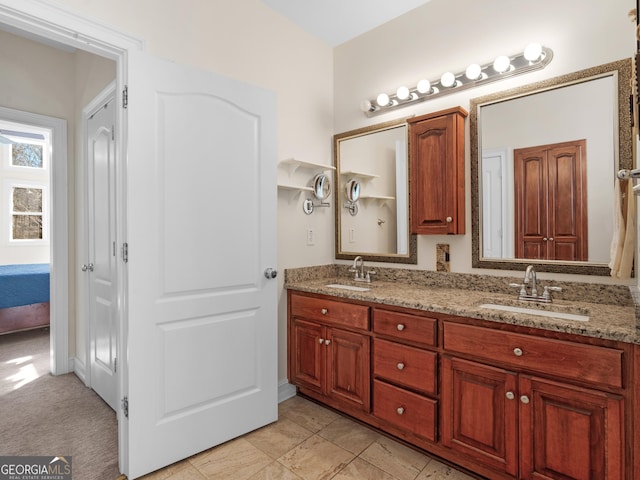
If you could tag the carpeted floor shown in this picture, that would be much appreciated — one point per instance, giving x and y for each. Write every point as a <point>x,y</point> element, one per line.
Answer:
<point>58,416</point>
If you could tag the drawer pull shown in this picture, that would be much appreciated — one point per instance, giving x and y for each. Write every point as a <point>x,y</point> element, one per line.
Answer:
<point>400,410</point>
<point>510,395</point>
<point>324,311</point>
<point>400,327</point>
<point>327,342</point>
<point>321,341</point>
<point>524,399</point>
<point>517,352</point>
<point>400,366</point>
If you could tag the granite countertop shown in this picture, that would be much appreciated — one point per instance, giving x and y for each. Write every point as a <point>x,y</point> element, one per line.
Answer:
<point>606,320</point>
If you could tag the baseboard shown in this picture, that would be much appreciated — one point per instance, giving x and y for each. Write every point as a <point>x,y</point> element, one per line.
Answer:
<point>77,367</point>
<point>286,391</point>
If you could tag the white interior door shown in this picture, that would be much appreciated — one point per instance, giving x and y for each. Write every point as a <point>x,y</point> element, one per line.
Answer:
<point>201,316</point>
<point>101,269</point>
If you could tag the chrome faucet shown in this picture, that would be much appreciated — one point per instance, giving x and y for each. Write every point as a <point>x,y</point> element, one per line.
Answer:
<point>359,275</point>
<point>530,277</point>
<point>531,295</point>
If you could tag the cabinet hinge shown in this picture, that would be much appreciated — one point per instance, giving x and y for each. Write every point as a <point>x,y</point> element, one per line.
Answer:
<point>125,252</point>
<point>125,97</point>
<point>125,406</point>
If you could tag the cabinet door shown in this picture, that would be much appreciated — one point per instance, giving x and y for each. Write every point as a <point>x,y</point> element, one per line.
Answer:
<point>307,357</point>
<point>348,368</point>
<point>437,173</point>
<point>480,412</point>
<point>569,432</point>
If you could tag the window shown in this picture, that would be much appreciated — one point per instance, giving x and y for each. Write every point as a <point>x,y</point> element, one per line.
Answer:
<point>27,213</point>
<point>26,155</point>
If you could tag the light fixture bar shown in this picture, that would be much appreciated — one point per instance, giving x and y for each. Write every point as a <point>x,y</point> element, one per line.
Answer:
<point>534,57</point>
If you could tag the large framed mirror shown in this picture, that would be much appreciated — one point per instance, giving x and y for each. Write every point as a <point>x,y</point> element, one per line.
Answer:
<point>372,194</point>
<point>549,152</point>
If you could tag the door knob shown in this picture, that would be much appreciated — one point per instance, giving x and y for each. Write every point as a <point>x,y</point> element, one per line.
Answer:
<point>270,273</point>
<point>86,267</point>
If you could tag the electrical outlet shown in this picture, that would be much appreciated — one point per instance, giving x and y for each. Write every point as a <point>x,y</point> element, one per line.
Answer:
<point>311,238</point>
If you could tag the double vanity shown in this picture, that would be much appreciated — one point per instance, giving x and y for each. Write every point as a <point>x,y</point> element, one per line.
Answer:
<point>456,365</point>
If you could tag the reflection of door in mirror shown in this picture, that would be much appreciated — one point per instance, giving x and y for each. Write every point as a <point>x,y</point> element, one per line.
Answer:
<point>551,117</point>
<point>551,202</point>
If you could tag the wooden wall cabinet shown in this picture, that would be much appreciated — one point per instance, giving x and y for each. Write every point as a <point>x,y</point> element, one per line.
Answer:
<point>436,159</point>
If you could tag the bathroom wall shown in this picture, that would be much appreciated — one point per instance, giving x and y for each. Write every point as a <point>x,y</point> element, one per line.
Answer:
<point>444,35</point>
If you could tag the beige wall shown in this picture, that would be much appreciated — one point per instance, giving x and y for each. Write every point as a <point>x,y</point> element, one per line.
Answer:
<point>448,35</point>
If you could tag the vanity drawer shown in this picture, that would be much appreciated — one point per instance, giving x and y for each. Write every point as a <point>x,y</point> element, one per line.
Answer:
<point>404,326</point>
<point>405,410</point>
<point>589,363</point>
<point>407,366</point>
<point>330,311</point>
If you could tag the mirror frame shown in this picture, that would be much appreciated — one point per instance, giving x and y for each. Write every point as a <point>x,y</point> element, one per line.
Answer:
<point>623,68</point>
<point>412,254</point>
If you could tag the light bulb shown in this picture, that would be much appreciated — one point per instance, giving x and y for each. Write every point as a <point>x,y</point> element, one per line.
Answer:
<point>424,86</point>
<point>366,106</point>
<point>383,99</point>
<point>402,93</point>
<point>473,71</point>
<point>501,64</point>
<point>447,79</point>
<point>533,52</point>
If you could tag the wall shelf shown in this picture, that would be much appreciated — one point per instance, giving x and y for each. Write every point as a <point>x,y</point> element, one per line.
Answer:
<point>286,186</point>
<point>293,164</point>
<point>367,176</point>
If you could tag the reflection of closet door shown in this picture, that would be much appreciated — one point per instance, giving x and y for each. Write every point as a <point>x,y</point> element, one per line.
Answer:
<point>551,202</point>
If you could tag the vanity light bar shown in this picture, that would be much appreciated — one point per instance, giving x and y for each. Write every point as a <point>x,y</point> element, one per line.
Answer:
<point>534,57</point>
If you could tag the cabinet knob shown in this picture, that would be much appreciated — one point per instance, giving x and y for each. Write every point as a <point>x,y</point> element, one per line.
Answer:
<point>324,311</point>
<point>400,410</point>
<point>510,395</point>
<point>449,219</point>
<point>400,327</point>
<point>524,399</point>
<point>327,342</point>
<point>517,352</point>
<point>544,239</point>
<point>321,341</point>
<point>551,239</point>
<point>400,366</point>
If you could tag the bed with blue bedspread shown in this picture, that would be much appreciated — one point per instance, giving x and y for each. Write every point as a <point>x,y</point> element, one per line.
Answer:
<point>24,297</point>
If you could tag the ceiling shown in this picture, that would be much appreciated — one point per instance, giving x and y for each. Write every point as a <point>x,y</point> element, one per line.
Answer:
<point>337,21</point>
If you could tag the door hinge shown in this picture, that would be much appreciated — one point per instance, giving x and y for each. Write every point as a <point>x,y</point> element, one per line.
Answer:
<point>125,97</point>
<point>113,133</point>
<point>125,252</point>
<point>125,406</point>
<point>115,364</point>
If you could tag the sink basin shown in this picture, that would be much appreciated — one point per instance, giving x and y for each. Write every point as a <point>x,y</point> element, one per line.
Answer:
<point>348,287</point>
<point>536,311</point>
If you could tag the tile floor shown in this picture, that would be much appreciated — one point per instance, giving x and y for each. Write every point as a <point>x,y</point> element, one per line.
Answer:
<point>309,442</point>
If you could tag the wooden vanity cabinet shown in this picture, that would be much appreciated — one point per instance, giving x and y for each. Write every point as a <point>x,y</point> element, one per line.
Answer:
<point>329,350</point>
<point>436,157</point>
<point>405,371</point>
<point>504,401</point>
<point>495,411</point>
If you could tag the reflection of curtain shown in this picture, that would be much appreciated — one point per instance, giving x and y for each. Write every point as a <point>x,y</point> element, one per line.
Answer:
<point>623,244</point>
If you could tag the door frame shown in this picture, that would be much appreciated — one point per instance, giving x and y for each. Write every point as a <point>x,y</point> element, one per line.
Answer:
<point>57,24</point>
<point>83,290</point>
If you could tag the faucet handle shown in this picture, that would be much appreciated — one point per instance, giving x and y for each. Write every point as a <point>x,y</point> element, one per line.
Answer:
<point>369,273</point>
<point>547,292</point>
<point>521,286</point>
